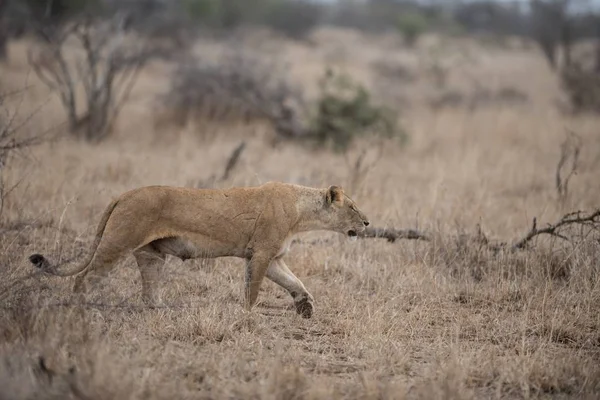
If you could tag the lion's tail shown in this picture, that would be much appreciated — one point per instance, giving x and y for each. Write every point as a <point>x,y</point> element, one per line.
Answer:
<point>44,264</point>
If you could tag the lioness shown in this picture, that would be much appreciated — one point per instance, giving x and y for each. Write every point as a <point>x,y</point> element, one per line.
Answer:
<point>255,223</point>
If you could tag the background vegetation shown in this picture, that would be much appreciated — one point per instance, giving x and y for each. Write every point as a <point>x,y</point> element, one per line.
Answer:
<point>470,126</point>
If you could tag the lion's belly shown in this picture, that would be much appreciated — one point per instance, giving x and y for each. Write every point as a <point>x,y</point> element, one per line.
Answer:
<point>285,247</point>
<point>200,247</point>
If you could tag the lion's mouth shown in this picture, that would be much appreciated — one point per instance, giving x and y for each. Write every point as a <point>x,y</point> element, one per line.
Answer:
<point>352,233</point>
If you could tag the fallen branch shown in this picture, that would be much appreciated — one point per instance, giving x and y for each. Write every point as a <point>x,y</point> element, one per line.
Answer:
<point>581,218</point>
<point>577,217</point>
<point>392,234</point>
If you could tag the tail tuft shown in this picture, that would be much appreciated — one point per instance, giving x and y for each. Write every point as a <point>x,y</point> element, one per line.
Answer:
<point>39,261</point>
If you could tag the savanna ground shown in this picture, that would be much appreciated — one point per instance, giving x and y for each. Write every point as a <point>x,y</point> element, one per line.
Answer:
<point>410,319</point>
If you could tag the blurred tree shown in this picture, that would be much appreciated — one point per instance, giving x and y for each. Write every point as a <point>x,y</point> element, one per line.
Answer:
<point>56,11</point>
<point>13,17</point>
<point>550,26</point>
<point>3,31</point>
<point>40,16</point>
<point>232,13</point>
<point>412,24</point>
<point>293,18</point>
<point>492,17</point>
<point>103,64</point>
<point>223,14</point>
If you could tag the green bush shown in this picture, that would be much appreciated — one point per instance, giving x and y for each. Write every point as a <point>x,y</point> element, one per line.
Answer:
<point>412,25</point>
<point>345,111</point>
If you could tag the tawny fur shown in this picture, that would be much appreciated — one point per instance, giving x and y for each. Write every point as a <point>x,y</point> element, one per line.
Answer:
<point>254,223</point>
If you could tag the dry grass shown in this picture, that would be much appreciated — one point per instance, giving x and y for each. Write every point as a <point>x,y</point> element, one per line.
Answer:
<point>444,319</point>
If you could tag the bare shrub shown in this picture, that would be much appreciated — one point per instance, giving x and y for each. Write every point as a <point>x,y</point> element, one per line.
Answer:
<point>97,55</point>
<point>473,256</point>
<point>15,139</point>
<point>237,84</point>
<point>573,228</point>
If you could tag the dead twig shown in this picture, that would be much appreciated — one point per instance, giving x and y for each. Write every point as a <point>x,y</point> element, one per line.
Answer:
<point>233,160</point>
<point>569,149</point>
<point>574,218</point>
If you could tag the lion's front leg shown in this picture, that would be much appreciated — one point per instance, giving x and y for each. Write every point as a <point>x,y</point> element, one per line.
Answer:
<point>279,273</point>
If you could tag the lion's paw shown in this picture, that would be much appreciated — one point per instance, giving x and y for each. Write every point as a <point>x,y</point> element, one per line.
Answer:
<point>304,306</point>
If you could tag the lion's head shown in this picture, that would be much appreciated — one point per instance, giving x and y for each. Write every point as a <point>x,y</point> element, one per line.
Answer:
<point>343,214</point>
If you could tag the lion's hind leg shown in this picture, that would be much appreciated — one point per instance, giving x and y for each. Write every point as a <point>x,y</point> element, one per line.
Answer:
<point>104,261</point>
<point>150,261</point>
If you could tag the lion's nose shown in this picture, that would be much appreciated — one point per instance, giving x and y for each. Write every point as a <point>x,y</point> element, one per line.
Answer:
<point>366,223</point>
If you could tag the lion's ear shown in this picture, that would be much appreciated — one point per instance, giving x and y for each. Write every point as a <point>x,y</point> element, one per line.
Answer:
<point>335,194</point>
